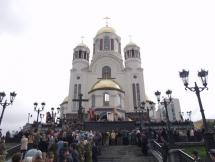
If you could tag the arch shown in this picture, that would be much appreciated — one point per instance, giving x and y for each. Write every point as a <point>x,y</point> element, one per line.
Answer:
<point>106,43</point>
<point>106,72</point>
<point>93,100</point>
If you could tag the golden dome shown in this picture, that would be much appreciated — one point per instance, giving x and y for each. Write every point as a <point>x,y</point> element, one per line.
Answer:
<point>106,29</point>
<point>131,44</point>
<point>106,84</point>
<point>65,100</point>
<point>82,45</point>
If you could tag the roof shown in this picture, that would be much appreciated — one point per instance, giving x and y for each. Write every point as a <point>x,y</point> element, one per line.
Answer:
<point>106,84</point>
<point>105,29</point>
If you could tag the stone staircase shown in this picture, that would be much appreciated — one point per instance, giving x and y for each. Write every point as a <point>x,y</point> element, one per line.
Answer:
<point>124,153</point>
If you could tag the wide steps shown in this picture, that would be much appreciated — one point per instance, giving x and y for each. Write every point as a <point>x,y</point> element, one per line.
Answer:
<point>122,153</point>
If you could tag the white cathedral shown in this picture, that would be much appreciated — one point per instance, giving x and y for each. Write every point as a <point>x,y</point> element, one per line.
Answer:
<point>110,83</point>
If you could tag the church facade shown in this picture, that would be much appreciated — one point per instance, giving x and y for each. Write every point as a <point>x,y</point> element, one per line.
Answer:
<point>112,85</point>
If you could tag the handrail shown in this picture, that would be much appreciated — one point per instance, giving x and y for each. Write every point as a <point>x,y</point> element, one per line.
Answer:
<point>156,147</point>
<point>12,151</point>
<point>184,156</point>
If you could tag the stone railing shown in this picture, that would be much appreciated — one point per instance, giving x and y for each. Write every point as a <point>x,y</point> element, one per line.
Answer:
<point>12,151</point>
<point>156,150</point>
<point>174,155</point>
<point>184,156</point>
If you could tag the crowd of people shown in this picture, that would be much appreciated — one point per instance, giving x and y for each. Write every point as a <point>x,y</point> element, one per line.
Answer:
<point>74,146</point>
<point>85,146</point>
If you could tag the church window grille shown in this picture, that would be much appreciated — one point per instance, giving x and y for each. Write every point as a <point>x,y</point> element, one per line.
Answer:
<point>85,55</point>
<point>134,95</point>
<point>118,100</point>
<point>129,53</point>
<point>132,52</point>
<point>101,44</point>
<point>106,43</point>
<point>112,44</point>
<point>138,93</point>
<point>106,99</point>
<point>75,95</point>
<point>93,101</point>
<point>106,72</point>
<point>79,89</point>
<point>79,54</point>
<point>120,48</point>
<point>93,48</point>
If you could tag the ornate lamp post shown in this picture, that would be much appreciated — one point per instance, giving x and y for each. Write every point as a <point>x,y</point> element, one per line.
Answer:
<point>149,107</point>
<point>208,136</point>
<point>4,104</point>
<point>141,110</point>
<point>181,115</point>
<point>189,113</point>
<point>166,102</point>
<point>54,113</point>
<point>41,117</point>
<point>38,110</point>
<point>29,116</point>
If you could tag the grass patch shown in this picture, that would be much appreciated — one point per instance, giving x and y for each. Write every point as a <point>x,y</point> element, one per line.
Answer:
<point>200,149</point>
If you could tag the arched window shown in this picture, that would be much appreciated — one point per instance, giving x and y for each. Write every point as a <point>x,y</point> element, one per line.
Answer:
<point>106,43</point>
<point>101,44</point>
<point>106,72</point>
<point>106,99</point>
<point>79,53</point>
<point>132,52</point>
<point>93,100</point>
<point>112,44</point>
<point>118,100</point>
<point>85,55</point>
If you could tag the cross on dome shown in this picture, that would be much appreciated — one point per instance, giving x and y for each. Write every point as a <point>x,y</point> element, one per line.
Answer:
<point>82,39</point>
<point>106,20</point>
<point>130,38</point>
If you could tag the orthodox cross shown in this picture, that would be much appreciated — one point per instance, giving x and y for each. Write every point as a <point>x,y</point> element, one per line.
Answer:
<point>80,108</point>
<point>106,20</point>
<point>130,38</point>
<point>82,39</point>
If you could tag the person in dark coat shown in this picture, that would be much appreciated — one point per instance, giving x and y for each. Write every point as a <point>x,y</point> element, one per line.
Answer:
<point>95,153</point>
<point>144,144</point>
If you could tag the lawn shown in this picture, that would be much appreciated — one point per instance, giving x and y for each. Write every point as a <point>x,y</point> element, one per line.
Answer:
<point>199,149</point>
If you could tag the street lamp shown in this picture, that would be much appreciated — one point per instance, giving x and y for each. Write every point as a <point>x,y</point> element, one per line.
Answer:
<point>166,102</point>
<point>149,107</point>
<point>54,113</point>
<point>181,115</point>
<point>39,109</point>
<point>203,74</point>
<point>189,113</point>
<point>29,116</point>
<point>41,117</point>
<point>4,104</point>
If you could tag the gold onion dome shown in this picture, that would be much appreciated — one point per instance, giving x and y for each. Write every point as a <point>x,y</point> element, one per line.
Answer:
<point>106,84</point>
<point>65,100</point>
<point>82,45</point>
<point>131,44</point>
<point>106,29</point>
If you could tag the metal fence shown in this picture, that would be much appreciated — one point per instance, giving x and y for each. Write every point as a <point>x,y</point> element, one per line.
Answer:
<point>12,151</point>
<point>184,157</point>
<point>156,147</point>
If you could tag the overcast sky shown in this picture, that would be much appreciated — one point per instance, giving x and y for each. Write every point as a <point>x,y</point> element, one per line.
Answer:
<point>37,40</point>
